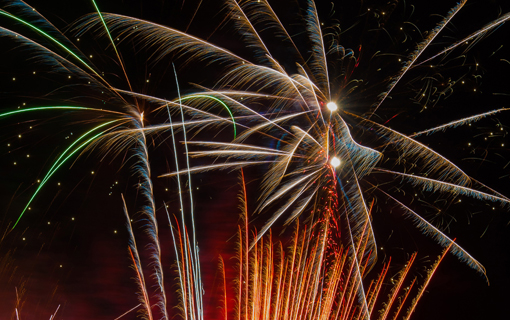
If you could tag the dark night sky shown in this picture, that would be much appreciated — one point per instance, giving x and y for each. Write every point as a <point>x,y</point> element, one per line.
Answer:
<point>70,249</point>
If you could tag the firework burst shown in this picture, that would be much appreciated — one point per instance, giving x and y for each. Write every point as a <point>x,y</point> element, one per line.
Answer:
<point>299,105</point>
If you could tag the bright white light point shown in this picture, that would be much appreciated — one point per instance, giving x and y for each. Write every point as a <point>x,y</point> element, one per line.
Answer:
<point>335,162</point>
<point>332,106</point>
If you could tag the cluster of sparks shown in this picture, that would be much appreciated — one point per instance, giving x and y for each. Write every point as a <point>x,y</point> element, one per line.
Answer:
<point>324,159</point>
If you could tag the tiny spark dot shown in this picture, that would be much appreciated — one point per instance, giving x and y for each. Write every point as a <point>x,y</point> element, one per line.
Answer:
<point>147,80</point>
<point>493,208</point>
<point>116,182</point>
<point>114,231</point>
<point>166,189</point>
<point>30,127</point>
<point>28,156</point>
<point>462,82</point>
<point>460,200</point>
<point>332,106</point>
<point>38,181</point>
<point>61,266</point>
<point>474,90</point>
<point>14,163</point>
<point>8,144</point>
<point>91,56</point>
<point>469,143</point>
<point>92,172</point>
<point>13,79</point>
<point>335,162</point>
<point>23,239</point>
<point>401,28</point>
<point>19,135</point>
<point>502,144</point>
<point>49,222</point>
<point>58,183</point>
<point>72,218</point>
<point>33,72</point>
<point>29,208</point>
<point>78,39</point>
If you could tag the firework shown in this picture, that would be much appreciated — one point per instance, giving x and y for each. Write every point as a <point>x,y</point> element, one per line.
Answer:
<point>311,118</point>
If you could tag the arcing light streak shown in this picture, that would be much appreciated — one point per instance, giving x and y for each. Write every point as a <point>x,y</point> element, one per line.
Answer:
<point>5,114</point>
<point>215,99</point>
<point>7,14</point>
<point>58,163</point>
<point>277,106</point>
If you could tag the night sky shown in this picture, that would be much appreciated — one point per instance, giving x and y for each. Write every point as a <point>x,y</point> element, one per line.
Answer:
<point>71,248</point>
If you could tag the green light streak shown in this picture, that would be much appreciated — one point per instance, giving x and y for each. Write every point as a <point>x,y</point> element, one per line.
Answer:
<point>5,13</point>
<point>217,100</point>
<point>57,165</point>
<point>56,108</point>
<point>106,28</point>
<point>44,108</point>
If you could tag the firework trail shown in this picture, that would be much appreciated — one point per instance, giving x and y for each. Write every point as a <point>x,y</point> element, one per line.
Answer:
<point>314,135</point>
<point>314,278</point>
<point>324,156</point>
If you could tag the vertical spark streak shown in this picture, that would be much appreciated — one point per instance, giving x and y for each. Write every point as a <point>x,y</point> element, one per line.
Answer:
<point>195,261</point>
<point>399,285</point>
<point>185,296</point>
<point>133,251</point>
<point>408,290</point>
<point>144,172</point>
<point>424,286</point>
<point>222,270</point>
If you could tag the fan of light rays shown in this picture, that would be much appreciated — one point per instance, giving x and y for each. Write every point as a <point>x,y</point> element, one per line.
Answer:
<point>310,137</point>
